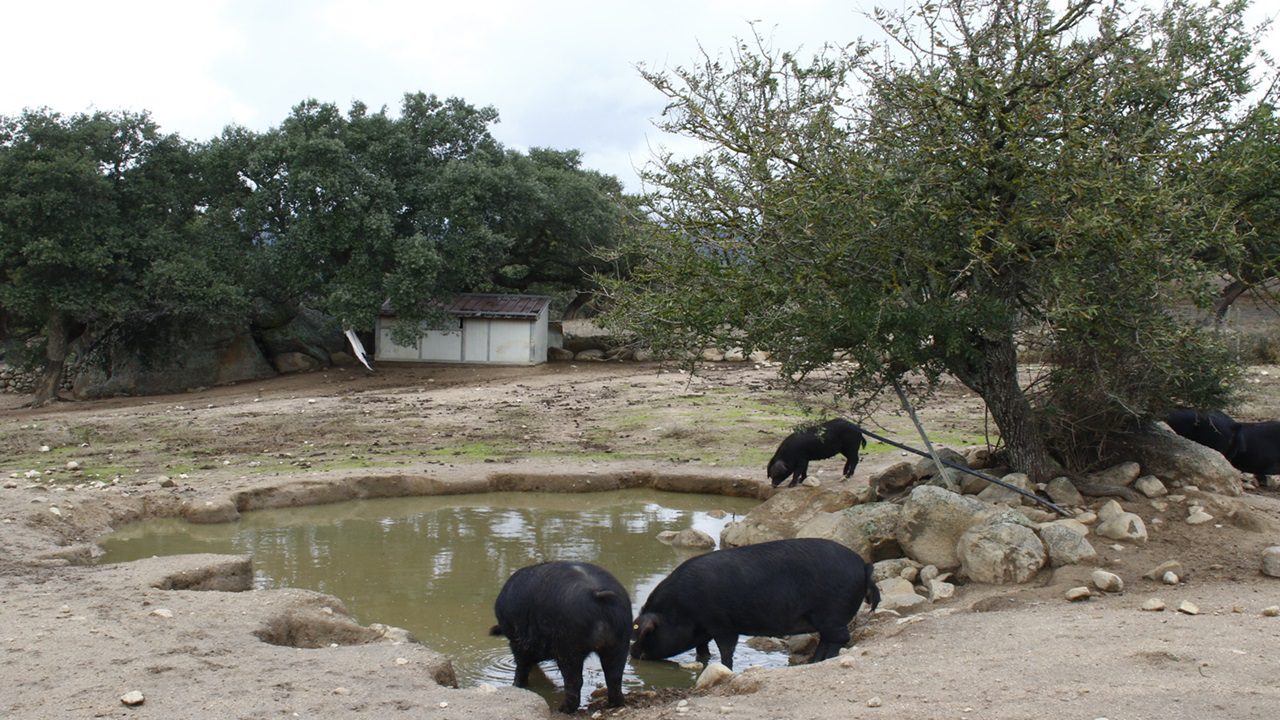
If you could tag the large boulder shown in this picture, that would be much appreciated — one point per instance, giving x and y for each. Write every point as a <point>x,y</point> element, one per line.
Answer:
<point>1001,553</point>
<point>932,521</point>
<point>1179,461</point>
<point>173,359</point>
<point>788,510</point>
<point>309,333</point>
<point>1066,545</point>
<point>869,530</point>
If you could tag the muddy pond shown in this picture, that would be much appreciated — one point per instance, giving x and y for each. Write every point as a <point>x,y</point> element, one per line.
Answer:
<point>434,565</point>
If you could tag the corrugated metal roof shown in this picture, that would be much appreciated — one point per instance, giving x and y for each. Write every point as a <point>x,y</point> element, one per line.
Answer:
<point>485,305</point>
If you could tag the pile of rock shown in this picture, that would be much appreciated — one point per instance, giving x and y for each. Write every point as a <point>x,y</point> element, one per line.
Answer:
<point>923,528</point>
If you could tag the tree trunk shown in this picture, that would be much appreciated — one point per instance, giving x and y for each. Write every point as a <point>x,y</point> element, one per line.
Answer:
<point>995,379</point>
<point>56,332</point>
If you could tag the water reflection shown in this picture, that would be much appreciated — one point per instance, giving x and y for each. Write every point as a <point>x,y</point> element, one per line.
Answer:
<point>434,565</point>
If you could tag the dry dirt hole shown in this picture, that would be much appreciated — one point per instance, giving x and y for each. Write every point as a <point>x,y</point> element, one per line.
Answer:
<point>76,638</point>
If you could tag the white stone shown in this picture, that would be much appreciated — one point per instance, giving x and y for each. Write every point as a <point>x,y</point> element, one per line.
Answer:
<point>1271,611</point>
<point>1153,605</point>
<point>162,612</point>
<point>402,661</point>
<point>1123,526</point>
<point>875,702</point>
<point>132,698</point>
<point>715,674</point>
<point>1189,608</point>
<point>1169,578</point>
<point>1150,486</point>
<point>1198,516</point>
<point>1107,581</point>
<point>1076,594</point>
<point>1271,561</point>
<point>72,465</point>
<point>940,590</point>
<point>1109,509</point>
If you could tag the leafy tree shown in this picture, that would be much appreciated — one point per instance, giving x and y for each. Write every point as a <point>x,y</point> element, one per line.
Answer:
<point>98,219</point>
<point>1000,173</point>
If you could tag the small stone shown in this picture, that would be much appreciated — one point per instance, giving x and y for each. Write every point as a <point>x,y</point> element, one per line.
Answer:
<point>1198,517</point>
<point>443,705</point>
<point>1271,561</point>
<point>341,691</point>
<point>1076,594</point>
<point>1188,608</point>
<point>402,661</point>
<point>715,674</point>
<point>53,509</point>
<point>72,465</point>
<point>1106,581</point>
<point>847,662</point>
<point>132,698</point>
<point>1153,605</point>
<point>875,702</point>
<point>1271,611</point>
<point>162,612</point>
<point>1151,486</point>
<point>1169,578</point>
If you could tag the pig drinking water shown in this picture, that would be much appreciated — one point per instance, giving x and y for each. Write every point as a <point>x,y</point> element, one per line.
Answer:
<point>784,587</point>
<point>564,611</point>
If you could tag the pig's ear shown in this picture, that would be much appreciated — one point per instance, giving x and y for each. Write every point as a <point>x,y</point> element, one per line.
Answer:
<point>644,625</point>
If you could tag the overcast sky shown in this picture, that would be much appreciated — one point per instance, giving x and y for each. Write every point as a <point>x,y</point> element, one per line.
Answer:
<point>561,73</point>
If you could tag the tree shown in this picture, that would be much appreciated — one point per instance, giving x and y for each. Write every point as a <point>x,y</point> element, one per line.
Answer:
<point>1001,173</point>
<point>97,219</point>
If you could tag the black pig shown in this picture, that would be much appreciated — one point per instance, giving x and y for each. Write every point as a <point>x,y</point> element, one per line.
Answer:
<point>1214,429</point>
<point>1257,449</point>
<point>564,611</point>
<point>817,442</point>
<point>778,588</point>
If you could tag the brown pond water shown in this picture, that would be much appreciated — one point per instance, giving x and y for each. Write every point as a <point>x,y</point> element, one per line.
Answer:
<point>434,565</point>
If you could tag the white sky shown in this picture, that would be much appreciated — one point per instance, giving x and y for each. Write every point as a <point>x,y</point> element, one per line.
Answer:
<point>561,73</point>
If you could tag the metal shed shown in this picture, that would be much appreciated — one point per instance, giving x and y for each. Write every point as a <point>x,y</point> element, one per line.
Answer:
<point>481,328</point>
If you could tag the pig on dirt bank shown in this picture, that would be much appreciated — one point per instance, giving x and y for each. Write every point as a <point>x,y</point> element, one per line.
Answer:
<point>778,588</point>
<point>564,611</point>
<point>817,442</point>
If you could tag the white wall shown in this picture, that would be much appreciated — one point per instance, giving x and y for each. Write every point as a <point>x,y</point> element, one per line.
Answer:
<point>481,340</point>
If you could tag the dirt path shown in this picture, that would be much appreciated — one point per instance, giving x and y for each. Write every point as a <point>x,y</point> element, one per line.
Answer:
<point>74,639</point>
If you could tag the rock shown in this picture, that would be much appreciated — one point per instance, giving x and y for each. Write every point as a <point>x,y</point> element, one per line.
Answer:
<point>1109,509</point>
<point>1107,581</point>
<point>1123,475</point>
<point>666,536</point>
<point>589,355</point>
<point>1153,605</point>
<point>940,590</point>
<point>1158,571</point>
<point>901,601</point>
<point>1125,526</point>
<point>714,674</point>
<point>875,702</point>
<point>869,530</point>
<point>693,539</point>
<point>885,569</point>
<point>1063,492</point>
<point>933,520</point>
<point>927,573</point>
<point>1001,553</point>
<point>1271,561</point>
<point>785,512</point>
<point>925,467</point>
<point>1179,461</point>
<point>559,354</point>
<point>1198,516</point>
<point>1076,594</point>
<point>162,612</point>
<point>1065,545</point>
<point>994,493</point>
<point>893,479</point>
<point>1169,578</point>
<point>1150,486</point>
<point>1188,608</point>
<point>220,510</point>
<point>1271,611</point>
<point>295,362</point>
<point>977,457</point>
<point>950,479</point>
<point>896,586</point>
<point>133,698</point>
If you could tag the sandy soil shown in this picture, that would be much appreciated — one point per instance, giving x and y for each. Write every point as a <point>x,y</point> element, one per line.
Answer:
<point>75,637</point>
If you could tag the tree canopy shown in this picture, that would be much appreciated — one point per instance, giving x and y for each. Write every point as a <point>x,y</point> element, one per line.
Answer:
<point>994,174</point>
<point>107,222</point>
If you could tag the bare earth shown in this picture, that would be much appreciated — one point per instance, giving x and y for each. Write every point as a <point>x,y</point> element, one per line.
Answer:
<point>75,637</point>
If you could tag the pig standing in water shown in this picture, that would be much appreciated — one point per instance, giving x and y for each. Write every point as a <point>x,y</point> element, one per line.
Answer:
<point>564,611</point>
<point>817,442</point>
<point>784,587</point>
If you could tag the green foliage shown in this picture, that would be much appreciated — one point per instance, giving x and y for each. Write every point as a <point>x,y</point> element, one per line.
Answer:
<point>1000,173</point>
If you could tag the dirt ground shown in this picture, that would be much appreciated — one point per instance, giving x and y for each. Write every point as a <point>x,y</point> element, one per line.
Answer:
<point>75,637</point>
